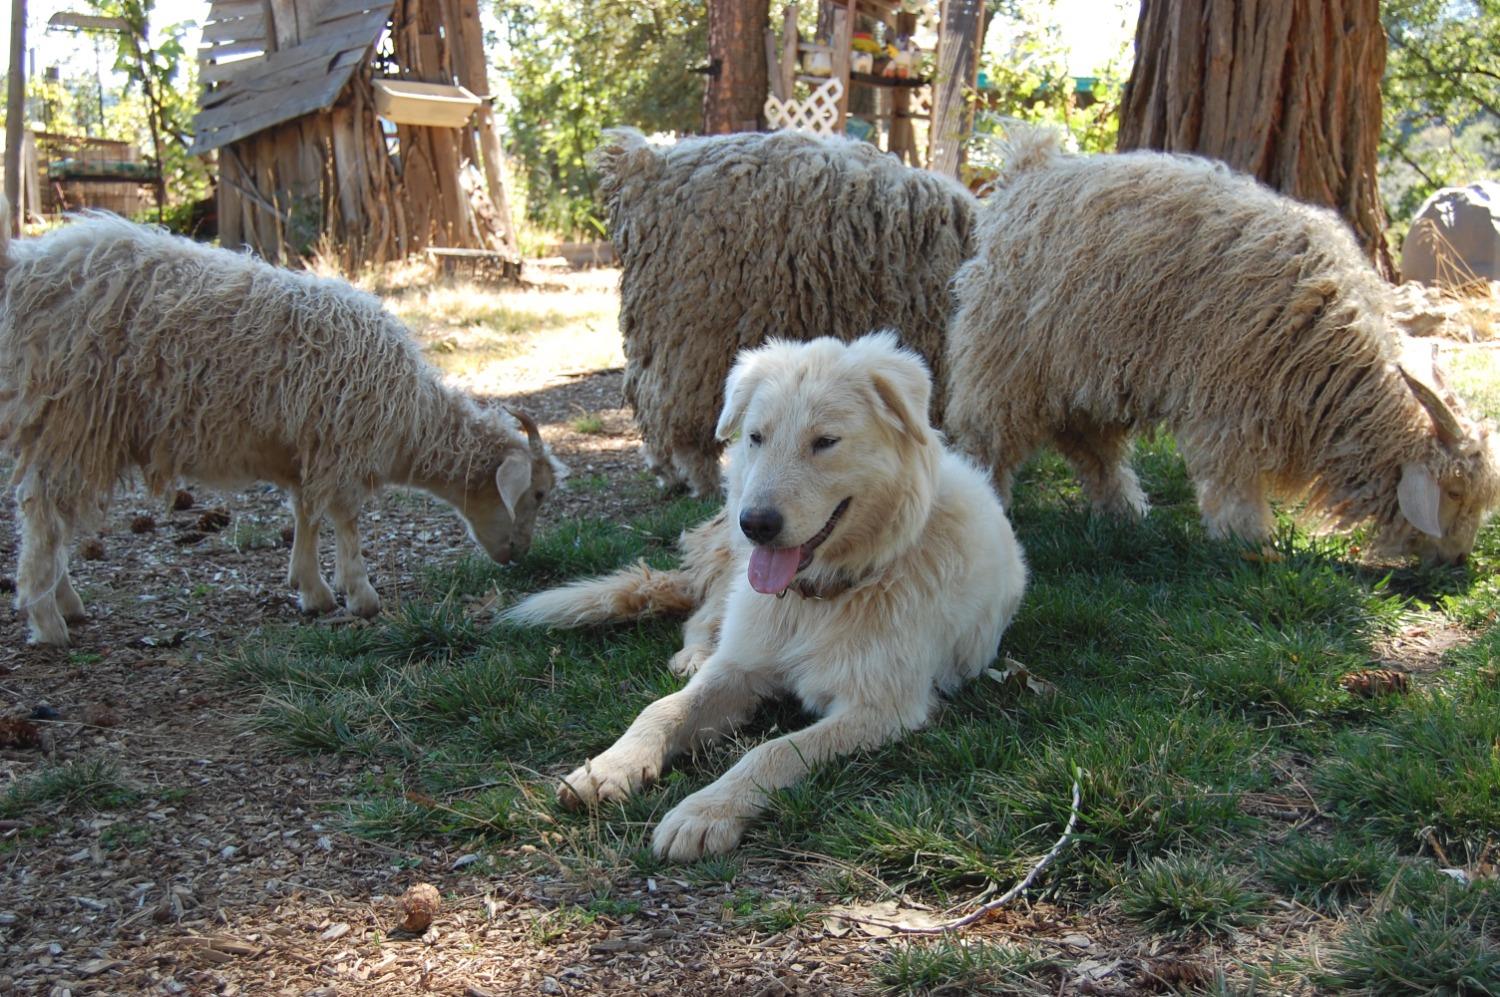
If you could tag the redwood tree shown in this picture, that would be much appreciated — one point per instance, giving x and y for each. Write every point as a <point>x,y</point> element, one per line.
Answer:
<point>1285,90</point>
<point>737,80</point>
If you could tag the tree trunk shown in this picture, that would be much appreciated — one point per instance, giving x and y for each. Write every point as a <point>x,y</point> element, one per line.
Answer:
<point>1287,91</point>
<point>737,79</point>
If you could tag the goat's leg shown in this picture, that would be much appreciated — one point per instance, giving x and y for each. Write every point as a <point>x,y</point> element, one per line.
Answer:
<point>313,593</point>
<point>43,568</point>
<point>1100,456</point>
<point>1232,501</point>
<point>350,575</point>
<point>68,601</point>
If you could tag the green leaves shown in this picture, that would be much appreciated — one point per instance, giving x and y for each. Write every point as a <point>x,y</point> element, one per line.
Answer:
<point>576,67</point>
<point>1442,97</point>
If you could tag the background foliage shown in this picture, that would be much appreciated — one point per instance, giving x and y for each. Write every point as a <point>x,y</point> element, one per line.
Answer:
<point>1026,76</point>
<point>576,67</point>
<point>1442,98</point>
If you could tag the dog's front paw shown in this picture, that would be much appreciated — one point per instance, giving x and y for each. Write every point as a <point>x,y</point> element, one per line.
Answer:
<point>687,661</point>
<point>604,779</point>
<point>700,825</point>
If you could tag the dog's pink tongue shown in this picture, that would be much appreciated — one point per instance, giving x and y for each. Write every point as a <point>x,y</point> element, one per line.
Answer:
<point>773,568</point>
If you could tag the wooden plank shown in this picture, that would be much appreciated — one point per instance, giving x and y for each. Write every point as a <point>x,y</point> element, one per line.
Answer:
<point>774,66</point>
<point>469,65</point>
<point>957,64</point>
<point>788,72</point>
<point>223,10</point>
<point>256,104</point>
<point>337,9</point>
<point>241,28</point>
<point>231,122</point>
<point>223,72</point>
<point>226,49</point>
<point>843,35</point>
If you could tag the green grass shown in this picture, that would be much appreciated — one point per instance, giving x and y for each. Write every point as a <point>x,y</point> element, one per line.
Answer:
<point>588,422</point>
<point>1193,679</point>
<point>1432,935</point>
<point>951,966</point>
<point>92,783</point>
<point>1330,875</point>
<point>1189,895</point>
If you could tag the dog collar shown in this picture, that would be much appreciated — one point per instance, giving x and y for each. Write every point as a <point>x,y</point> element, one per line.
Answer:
<point>831,589</point>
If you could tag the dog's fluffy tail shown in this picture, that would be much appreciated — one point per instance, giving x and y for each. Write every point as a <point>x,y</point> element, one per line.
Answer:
<point>628,594</point>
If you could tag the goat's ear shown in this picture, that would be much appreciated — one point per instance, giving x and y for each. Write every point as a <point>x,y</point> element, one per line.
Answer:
<point>1419,496</point>
<point>513,478</point>
<point>744,378</point>
<point>903,389</point>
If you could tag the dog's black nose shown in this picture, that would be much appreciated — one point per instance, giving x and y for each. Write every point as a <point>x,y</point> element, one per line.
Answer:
<point>760,525</point>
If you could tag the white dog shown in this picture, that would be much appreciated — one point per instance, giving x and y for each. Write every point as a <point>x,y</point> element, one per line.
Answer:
<point>870,570</point>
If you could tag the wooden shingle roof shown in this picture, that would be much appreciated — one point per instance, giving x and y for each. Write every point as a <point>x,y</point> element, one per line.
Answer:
<point>260,85</point>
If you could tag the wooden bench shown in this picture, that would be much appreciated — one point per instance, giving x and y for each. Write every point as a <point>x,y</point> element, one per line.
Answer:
<point>481,264</point>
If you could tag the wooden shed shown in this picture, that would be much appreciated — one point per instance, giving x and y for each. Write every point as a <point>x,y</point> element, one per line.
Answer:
<point>360,128</point>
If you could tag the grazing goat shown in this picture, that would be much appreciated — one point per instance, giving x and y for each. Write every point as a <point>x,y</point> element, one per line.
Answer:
<point>730,239</point>
<point>124,348</point>
<point>1113,293</point>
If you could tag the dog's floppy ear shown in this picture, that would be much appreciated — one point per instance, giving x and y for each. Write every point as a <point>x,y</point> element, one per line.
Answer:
<point>740,386</point>
<point>903,388</point>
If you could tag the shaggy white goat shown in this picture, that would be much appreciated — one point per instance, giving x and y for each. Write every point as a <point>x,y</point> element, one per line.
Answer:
<point>122,348</point>
<point>728,239</point>
<point>1112,293</point>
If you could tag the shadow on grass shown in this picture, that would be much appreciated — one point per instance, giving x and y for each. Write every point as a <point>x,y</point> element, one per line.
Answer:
<point>1189,674</point>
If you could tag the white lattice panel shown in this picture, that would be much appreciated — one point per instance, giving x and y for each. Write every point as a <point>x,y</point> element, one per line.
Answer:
<point>818,113</point>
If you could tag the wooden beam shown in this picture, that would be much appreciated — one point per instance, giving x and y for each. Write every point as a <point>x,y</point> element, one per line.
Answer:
<point>843,37</point>
<point>789,67</point>
<point>15,111</point>
<point>957,66</point>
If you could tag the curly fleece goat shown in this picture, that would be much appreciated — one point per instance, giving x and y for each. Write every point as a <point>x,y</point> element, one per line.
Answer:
<point>124,348</point>
<point>1113,293</point>
<point>729,240</point>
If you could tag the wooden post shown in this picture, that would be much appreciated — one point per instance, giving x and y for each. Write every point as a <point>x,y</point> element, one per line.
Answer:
<point>957,66</point>
<point>788,61</point>
<point>15,112</point>
<point>843,36</point>
<point>903,137</point>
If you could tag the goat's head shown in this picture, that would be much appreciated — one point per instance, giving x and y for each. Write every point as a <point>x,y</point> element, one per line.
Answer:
<point>501,508</point>
<point>1447,498</point>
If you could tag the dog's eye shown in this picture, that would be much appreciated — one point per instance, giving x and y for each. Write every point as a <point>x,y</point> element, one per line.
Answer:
<point>755,439</point>
<point>824,442</point>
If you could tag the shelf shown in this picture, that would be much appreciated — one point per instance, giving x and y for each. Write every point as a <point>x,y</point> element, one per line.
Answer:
<point>871,80</point>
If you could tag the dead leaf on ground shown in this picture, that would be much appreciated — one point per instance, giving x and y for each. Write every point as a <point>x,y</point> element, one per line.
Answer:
<point>878,920</point>
<point>18,733</point>
<point>1015,671</point>
<point>214,520</point>
<point>1371,682</point>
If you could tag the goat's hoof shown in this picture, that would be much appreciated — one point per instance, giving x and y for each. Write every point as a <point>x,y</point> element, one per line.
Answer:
<point>317,603</point>
<point>49,632</point>
<point>365,604</point>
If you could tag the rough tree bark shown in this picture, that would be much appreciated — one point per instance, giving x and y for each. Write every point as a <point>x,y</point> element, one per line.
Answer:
<point>737,79</point>
<point>1285,90</point>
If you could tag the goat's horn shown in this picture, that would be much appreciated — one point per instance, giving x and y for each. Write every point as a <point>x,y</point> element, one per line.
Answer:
<point>533,434</point>
<point>1449,430</point>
